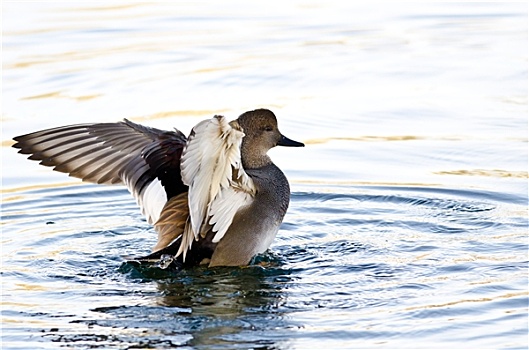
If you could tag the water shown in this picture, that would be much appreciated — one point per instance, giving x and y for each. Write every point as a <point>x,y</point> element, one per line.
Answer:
<point>408,220</point>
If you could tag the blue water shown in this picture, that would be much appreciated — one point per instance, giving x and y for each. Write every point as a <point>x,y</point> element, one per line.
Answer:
<point>408,223</point>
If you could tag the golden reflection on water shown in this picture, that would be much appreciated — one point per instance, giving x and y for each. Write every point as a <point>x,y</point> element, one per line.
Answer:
<point>59,94</point>
<point>109,7</point>
<point>462,301</point>
<point>364,138</point>
<point>72,56</point>
<point>29,286</point>
<point>19,304</point>
<point>390,138</point>
<point>179,113</point>
<point>485,172</point>
<point>27,321</point>
<point>216,69</point>
<point>363,183</point>
<point>34,187</point>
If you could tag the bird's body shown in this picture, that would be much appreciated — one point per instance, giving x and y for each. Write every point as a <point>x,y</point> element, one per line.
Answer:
<point>214,197</point>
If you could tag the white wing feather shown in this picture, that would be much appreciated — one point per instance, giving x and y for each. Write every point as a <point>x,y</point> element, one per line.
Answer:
<point>224,208</point>
<point>211,155</point>
<point>152,201</point>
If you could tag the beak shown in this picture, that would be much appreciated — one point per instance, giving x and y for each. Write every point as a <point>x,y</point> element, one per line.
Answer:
<point>285,141</point>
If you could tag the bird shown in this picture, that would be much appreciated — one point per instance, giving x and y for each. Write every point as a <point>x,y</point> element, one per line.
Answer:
<point>214,198</point>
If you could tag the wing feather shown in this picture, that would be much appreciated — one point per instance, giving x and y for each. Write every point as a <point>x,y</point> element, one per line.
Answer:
<point>224,208</point>
<point>146,160</point>
<point>172,221</point>
<point>218,185</point>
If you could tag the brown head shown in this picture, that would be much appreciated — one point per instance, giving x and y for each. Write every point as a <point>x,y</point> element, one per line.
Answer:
<point>261,134</point>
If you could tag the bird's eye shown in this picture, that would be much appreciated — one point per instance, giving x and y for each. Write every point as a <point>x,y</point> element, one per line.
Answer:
<point>268,128</point>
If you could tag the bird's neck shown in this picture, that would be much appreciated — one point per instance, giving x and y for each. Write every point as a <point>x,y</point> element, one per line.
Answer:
<point>254,159</point>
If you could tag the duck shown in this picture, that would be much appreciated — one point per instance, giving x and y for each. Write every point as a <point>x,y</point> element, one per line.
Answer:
<point>214,197</point>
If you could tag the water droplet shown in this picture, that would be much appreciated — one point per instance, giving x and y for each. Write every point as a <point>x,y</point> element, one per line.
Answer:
<point>165,261</point>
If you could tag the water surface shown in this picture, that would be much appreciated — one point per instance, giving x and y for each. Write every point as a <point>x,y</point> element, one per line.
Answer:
<point>408,219</point>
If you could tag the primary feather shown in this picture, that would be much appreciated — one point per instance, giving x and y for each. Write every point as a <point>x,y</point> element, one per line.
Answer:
<point>114,153</point>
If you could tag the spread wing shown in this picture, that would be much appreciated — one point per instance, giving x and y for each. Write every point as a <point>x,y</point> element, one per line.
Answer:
<point>146,160</point>
<point>218,185</point>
